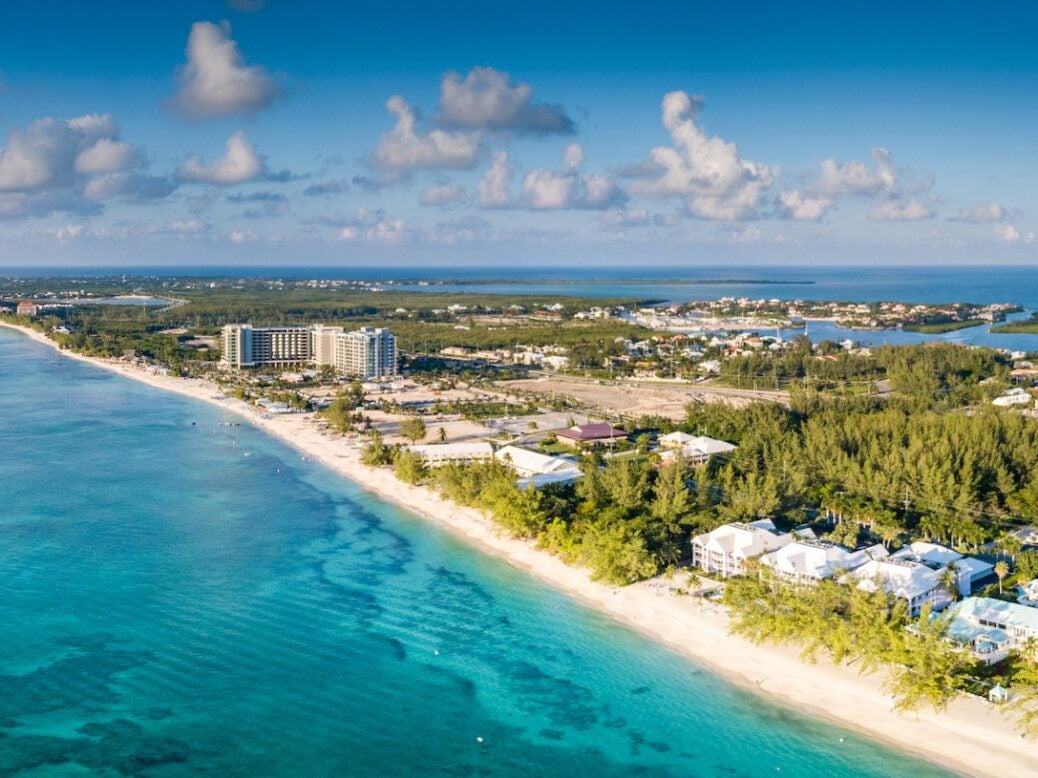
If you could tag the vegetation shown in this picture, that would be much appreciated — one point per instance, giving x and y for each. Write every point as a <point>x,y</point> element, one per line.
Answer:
<point>937,328</point>
<point>1020,327</point>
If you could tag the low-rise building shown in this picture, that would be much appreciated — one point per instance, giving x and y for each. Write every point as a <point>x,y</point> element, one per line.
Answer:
<point>27,308</point>
<point>599,434</point>
<point>537,469</point>
<point>726,549</point>
<point>1028,594</point>
<point>807,561</point>
<point>992,628</point>
<point>1014,396</point>
<point>436,454</point>
<point>968,570</point>
<point>913,582</point>
<point>697,449</point>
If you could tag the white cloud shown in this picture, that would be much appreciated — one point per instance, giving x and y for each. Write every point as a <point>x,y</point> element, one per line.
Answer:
<point>983,212</point>
<point>389,231</point>
<point>708,171</point>
<point>857,178</point>
<point>442,194</point>
<point>188,227</point>
<point>403,148</point>
<point>106,155</point>
<point>72,165</point>
<point>799,206</point>
<point>242,236</point>
<point>215,81</point>
<point>553,190</point>
<point>626,217</point>
<point>898,210</point>
<point>349,233</point>
<point>239,164</point>
<point>493,189</point>
<point>486,100</point>
<point>68,232</point>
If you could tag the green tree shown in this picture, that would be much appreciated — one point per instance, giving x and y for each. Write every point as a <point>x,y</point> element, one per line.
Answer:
<point>413,429</point>
<point>376,452</point>
<point>409,467</point>
<point>1001,570</point>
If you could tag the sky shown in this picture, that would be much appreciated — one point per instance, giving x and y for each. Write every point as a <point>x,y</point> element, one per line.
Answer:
<point>501,135</point>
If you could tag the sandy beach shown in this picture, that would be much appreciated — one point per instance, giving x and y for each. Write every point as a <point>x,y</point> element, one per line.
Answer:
<point>972,737</point>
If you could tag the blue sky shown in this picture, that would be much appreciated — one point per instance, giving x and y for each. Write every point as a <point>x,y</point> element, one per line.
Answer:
<point>481,133</point>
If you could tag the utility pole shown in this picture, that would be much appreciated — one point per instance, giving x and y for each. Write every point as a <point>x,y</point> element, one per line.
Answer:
<point>907,502</point>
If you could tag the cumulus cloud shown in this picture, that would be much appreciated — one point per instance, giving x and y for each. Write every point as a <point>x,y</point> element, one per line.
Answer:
<point>983,212</point>
<point>716,182</point>
<point>552,190</point>
<point>494,187</point>
<point>858,178</point>
<point>215,80</point>
<point>486,99</point>
<point>68,232</point>
<point>405,148</point>
<point>72,165</point>
<point>1009,233</point>
<point>239,164</point>
<point>188,227</point>
<point>901,195</point>
<point>442,194</point>
<point>799,206</point>
<point>899,210</point>
<point>621,218</point>
<point>242,236</point>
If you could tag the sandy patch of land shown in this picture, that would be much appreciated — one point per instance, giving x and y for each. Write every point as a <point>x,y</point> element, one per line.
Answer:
<point>972,736</point>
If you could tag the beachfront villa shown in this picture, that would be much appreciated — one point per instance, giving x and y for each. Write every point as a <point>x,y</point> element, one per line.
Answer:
<point>726,549</point>
<point>27,308</point>
<point>913,582</point>
<point>590,435</point>
<point>697,449</point>
<point>537,469</point>
<point>369,353</point>
<point>992,628</point>
<point>437,454</point>
<point>968,570</point>
<point>806,561</point>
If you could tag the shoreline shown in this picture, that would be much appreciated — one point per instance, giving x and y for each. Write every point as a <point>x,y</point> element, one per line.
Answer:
<point>971,737</point>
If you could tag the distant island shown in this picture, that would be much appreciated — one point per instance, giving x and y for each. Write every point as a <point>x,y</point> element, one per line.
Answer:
<point>1022,327</point>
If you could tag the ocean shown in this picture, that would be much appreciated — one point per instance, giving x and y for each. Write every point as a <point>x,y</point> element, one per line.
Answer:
<point>181,597</point>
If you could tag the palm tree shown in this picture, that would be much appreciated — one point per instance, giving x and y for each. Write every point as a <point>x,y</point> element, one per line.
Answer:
<point>948,579</point>
<point>1001,570</point>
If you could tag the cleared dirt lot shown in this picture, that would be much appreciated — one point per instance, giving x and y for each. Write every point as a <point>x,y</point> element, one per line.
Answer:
<point>638,398</point>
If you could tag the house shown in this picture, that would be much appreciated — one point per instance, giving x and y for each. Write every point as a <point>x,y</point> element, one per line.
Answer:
<point>1028,594</point>
<point>436,454</point>
<point>27,308</point>
<point>913,582</point>
<point>806,561</point>
<point>696,449</point>
<point>992,628</point>
<point>726,549</point>
<point>536,469</point>
<point>1014,396</point>
<point>600,434</point>
<point>969,571</point>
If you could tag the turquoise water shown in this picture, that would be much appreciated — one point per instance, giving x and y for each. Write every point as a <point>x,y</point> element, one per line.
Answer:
<point>169,606</point>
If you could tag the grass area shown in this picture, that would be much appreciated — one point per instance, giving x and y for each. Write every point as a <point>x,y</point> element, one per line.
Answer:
<point>1022,327</point>
<point>940,327</point>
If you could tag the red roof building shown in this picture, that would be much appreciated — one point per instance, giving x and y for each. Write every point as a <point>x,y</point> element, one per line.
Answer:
<point>591,435</point>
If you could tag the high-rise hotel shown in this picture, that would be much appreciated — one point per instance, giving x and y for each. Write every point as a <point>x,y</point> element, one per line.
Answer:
<point>368,353</point>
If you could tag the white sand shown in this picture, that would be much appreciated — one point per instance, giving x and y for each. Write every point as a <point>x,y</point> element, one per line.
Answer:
<point>972,736</point>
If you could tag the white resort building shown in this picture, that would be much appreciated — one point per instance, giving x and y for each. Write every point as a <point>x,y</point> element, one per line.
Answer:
<point>968,570</point>
<point>537,469</point>
<point>369,353</point>
<point>992,628</point>
<point>697,449</point>
<point>726,549</point>
<point>811,561</point>
<point>436,454</point>
<point>913,582</point>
